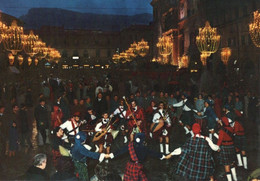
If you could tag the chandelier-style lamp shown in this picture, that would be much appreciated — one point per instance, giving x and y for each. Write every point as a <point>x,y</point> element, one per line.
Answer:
<point>124,57</point>
<point>13,39</point>
<point>225,54</point>
<point>116,58</point>
<point>11,59</point>
<point>133,48</point>
<point>165,46</point>
<point>41,48</point>
<point>142,48</point>
<point>254,29</point>
<point>184,61</point>
<point>203,58</point>
<point>208,40</point>
<point>3,30</point>
<point>30,41</point>
<point>29,60</point>
<point>20,59</point>
<point>36,61</point>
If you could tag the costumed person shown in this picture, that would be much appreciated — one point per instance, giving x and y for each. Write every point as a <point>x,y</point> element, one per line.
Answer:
<point>133,114</point>
<point>228,112</point>
<point>187,113</point>
<point>238,107</point>
<point>120,112</point>
<point>149,112</point>
<point>161,128</point>
<point>91,121</point>
<point>56,117</point>
<point>56,142</point>
<point>80,152</point>
<point>210,116</point>
<point>240,142</point>
<point>227,149</point>
<point>71,127</point>
<point>103,137</point>
<point>196,161</point>
<point>138,153</point>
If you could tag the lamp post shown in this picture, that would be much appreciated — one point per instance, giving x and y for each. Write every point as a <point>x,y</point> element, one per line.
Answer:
<point>225,54</point>
<point>142,48</point>
<point>207,41</point>
<point>29,44</point>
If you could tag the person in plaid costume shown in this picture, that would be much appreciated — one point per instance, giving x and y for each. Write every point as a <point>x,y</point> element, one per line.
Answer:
<point>227,149</point>
<point>138,153</point>
<point>196,161</point>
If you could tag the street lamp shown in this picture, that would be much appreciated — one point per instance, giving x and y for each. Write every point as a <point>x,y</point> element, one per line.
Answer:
<point>203,59</point>
<point>207,41</point>
<point>3,29</point>
<point>225,54</point>
<point>184,61</point>
<point>29,44</point>
<point>142,48</point>
<point>254,29</point>
<point>20,59</point>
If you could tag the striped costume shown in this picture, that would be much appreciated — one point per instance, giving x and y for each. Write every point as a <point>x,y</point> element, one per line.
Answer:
<point>196,162</point>
<point>240,139</point>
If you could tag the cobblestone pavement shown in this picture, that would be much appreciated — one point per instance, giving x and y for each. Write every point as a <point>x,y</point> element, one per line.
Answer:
<point>156,170</point>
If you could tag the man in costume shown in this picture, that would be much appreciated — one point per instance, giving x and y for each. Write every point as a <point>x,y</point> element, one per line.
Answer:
<point>120,112</point>
<point>138,153</point>
<point>133,114</point>
<point>196,161</point>
<point>80,152</point>
<point>161,127</point>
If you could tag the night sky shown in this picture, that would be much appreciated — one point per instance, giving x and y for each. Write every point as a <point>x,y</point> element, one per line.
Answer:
<point>123,7</point>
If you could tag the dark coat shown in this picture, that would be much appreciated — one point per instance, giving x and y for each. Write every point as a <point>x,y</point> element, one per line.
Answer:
<point>34,173</point>
<point>100,107</point>
<point>41,116</point>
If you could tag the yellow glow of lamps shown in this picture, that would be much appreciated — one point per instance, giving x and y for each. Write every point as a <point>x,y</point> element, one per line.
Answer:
<point>184,61</point>
<point>30,41</point>
<point>254,29</point>
<point>13,39</point>
<point>11,59</point>
<point>207,41</point>
<point>142,48</point>
<point>165,45</point>
<point>20,59</point>
<point>203,58</point>
<point>29,61</point>
<point>225,54</point>
<point>36,61</point>
<point>3,29</point>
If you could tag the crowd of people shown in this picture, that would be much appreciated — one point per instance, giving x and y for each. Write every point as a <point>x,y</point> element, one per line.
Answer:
<point>77,116</point>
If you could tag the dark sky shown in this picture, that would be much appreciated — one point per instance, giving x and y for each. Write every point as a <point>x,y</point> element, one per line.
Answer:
<point>126,7</point>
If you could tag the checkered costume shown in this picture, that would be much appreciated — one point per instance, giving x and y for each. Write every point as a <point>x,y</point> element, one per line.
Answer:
<point>133,168</point>
<point>240,139</point>
<point>196,161</point>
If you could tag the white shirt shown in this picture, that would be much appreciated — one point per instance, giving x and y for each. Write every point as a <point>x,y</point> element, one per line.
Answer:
<point>157,117</point>
<point>99,125</point>
<point>120,111</point>
<point>69,127</point>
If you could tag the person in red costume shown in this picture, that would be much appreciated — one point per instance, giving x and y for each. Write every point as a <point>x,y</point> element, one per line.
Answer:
<point>56,117</point>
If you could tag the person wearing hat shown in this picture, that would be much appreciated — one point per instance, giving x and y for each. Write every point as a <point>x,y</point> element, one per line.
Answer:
<point>80,152</point>
<point>71,127</point>
<point>138,153</point>
<point>196,161</point>
<point>187,113</point>
<point>227,149</point>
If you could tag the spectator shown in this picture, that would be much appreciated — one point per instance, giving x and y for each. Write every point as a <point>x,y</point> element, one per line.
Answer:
<point>37,170</point>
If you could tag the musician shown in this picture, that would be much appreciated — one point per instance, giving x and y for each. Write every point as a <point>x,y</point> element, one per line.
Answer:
<point>71,127</point>
<point>135,112</point>
<point>91,120</point>
<point>106,140</point>
<point>120,112</point>
<point>150,111</point>
<point>161,127</point>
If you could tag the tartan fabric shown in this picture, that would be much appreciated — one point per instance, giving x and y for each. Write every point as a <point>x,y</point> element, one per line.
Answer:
<point>108,139</point>
<point>196,160</point>
<point>240,142</point>
<point>227,154</point>
<point>159,133</point>
<point>134,170</point>
<point>81,170</point>
<point>55,155</point>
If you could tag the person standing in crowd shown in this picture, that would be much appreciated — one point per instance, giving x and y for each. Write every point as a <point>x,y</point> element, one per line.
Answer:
<point>56,117</point>
<point>37,170</point>
<point>3,132</point>
<point>196,161</point>
<point>41,116</point>
<point>100,105</point>
<point>227,149</point>
<point>25,128</point>
<point>88,102</point>
<point>161,128</point>
<point>238,107</point>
